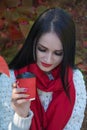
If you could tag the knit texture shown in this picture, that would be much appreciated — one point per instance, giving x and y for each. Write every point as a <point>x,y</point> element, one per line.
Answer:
<point>6,112</point>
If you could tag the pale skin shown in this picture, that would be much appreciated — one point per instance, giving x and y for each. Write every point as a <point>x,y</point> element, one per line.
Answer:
<point>49,51</point>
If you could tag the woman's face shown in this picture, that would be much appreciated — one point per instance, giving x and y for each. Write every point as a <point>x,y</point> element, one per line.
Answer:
<point>49,52</point>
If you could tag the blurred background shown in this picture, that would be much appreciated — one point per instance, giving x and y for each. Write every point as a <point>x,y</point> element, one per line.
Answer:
<point>17,17</point>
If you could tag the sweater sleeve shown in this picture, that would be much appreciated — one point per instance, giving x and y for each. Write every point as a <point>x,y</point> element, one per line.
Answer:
<point>6,112</point>
<point>76,120</point>
<point>7,117</point>
<point>12,120</point>
<point>19,123</point>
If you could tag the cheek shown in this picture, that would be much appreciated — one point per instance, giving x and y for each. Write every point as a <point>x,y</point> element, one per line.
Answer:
<point>58,60</point>
<point>38,55</point>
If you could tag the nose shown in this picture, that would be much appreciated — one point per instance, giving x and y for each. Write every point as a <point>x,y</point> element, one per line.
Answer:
<point>48,58</point>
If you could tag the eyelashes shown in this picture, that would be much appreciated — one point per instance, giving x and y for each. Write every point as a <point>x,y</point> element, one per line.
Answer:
<point>59,54</point>
<point>41,49</point>
<point>44,50</point>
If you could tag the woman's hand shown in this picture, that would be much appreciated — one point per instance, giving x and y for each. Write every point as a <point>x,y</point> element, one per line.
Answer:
<point>20,100</point>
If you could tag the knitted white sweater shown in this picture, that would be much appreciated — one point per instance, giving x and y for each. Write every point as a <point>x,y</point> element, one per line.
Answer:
<point>17,123</point>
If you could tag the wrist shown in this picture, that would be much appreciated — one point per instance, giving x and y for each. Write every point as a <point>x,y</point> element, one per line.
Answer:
<point>22,123</point>
<point>24,115</point>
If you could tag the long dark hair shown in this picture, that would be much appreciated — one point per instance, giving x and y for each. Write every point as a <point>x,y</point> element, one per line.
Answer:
<point>52,20</point>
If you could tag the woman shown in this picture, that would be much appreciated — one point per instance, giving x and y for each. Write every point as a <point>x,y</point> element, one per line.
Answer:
<point>49,53</point>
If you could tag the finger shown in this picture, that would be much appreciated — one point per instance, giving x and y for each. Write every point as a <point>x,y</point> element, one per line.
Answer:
<point>20,96</point>
<point>14,85</point>
<point>20,101</point>
<point>20,90</point>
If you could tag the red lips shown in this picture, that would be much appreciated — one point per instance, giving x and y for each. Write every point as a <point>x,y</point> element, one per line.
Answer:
<point>46,65</point>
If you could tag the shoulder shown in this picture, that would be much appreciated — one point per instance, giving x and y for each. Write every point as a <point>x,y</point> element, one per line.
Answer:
<point>77,116</point>
<point>5,78</point>
<point>79,83</point>
<point>6,85</point>
<point>77,74</point>
<point>80,87</point>
<point>6,111</point>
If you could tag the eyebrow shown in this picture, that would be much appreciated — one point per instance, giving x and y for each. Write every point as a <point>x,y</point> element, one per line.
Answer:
<point>47,48</point>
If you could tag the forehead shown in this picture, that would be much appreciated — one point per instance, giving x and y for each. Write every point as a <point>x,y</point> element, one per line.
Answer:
<point>50,41</point>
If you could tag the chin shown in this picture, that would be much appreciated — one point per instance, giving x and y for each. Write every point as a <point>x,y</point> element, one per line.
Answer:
<point>45,69</point>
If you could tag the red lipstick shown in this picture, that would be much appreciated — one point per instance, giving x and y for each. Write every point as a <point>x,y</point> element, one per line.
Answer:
<point>46,65</point>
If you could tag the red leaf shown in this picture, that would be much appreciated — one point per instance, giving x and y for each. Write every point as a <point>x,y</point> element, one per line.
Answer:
<point>82,67</point>
<point>15,33</point>
<point>1,23</point>
<point>4,67</point>
<point>85,44</point>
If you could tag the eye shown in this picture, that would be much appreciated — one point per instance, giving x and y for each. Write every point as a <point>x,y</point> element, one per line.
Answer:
<point>58,53</point>
<point>41,49</point>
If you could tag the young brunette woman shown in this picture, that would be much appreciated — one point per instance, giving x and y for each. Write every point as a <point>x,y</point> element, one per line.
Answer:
<point>48,53</point>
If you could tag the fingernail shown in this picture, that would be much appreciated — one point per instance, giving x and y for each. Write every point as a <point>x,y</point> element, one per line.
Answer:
<point>17,82</point>
<point>25,89</point>
<point>28,99</point>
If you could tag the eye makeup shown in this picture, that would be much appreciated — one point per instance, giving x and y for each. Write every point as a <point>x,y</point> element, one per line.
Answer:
<point>59,53</point>
<point>44,49</point>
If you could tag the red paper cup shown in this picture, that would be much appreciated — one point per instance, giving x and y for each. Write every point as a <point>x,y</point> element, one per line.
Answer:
<point>30,84</point>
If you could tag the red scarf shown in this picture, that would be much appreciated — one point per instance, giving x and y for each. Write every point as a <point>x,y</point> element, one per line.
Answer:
<point>60,108</point>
